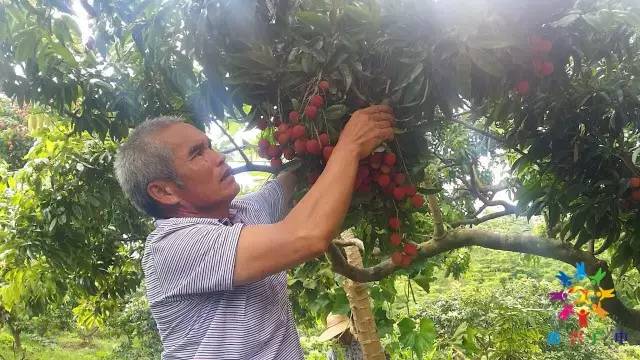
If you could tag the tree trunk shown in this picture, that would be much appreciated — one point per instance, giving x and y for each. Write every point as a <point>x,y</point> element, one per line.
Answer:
<point>364,323</point>
<point>15,333</point>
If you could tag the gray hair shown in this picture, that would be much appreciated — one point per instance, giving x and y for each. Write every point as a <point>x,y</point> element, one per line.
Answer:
<point>142,159</point>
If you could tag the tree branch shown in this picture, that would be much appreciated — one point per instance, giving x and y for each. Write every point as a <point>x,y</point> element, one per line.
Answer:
<point>288,166</point>
<point>478,130</point>
<point>229,151</point>
<point>487,200</point>
<point>525,244</point>
<point>339,265</point>
<point>436,214</point>
<point>349,242</point>
<point>480,210</point>
<point>224,131</point>
<point>485,133</point>
<point>503,185</point>
<point>253,167</point>
<point>480,220</point>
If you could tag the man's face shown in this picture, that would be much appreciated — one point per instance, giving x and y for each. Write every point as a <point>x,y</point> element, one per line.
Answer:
<point>206,179</point>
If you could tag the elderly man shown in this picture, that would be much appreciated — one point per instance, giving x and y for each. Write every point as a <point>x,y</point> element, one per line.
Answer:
<point>215,265</point>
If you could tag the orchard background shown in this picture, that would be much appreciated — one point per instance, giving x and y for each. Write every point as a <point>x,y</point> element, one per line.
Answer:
<point>517,130</point>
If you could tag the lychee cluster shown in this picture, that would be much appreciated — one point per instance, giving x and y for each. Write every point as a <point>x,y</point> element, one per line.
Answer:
<point>541,65</point>
<point>303,134</point>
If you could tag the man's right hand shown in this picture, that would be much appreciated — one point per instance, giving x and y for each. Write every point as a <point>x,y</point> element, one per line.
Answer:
<point>367,129</point>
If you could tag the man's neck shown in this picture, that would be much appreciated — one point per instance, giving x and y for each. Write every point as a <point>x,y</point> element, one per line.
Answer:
<point>218,212</point>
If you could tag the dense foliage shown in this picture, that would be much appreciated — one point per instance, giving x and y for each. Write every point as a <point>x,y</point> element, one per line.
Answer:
<point>548,88</point>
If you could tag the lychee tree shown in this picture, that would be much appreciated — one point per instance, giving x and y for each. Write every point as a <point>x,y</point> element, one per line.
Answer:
<point>549,88</point>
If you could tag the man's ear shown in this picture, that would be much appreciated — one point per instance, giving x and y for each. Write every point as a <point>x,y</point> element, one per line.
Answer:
<point>163,192</point>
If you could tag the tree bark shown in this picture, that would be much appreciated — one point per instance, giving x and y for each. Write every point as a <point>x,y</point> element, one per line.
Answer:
<point>15,333</point>
<point>526,244</point>
<point>364,323</point>
<point>436,215</point>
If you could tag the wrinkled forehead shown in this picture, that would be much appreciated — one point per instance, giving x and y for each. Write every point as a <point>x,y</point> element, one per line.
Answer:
<point>180,137</point>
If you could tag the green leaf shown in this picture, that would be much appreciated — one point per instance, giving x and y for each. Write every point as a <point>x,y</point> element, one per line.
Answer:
<point>406,326</point>
<point>427,330</point>
<point>296,104</point>
<point>423,281</point>
<point>52,224</point>
<point>310,283</point>
<point>72,25</point>
<point>417,69</point>
<point>419,341</point>
<point>316,21</point>
<point>307,62</point>
<point>430,190</point>
<point>554,214</point>
<point>61,31</point>
<point>346,74</point>
<point>357,13</point>
<point>64,53</point>
<point>566,20</point>
<point>486,61</point>
<point>340,303</point>
<point>494,41</point>
<point>26,47</point>
<point>335,112</point>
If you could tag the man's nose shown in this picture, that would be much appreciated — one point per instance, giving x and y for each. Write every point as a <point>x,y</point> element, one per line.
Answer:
<point>219,158</point>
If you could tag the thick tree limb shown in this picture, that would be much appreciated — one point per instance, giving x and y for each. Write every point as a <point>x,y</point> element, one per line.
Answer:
<point>352,241</point>
<point>289,166</point>
<point>374,273</point>
<point>503,185</point>
<point>487,200</point>
<point>253,167</point>
<point>436,214</point>
<point>480,210</point>
<point>480,220</point>
<point>526,244</point>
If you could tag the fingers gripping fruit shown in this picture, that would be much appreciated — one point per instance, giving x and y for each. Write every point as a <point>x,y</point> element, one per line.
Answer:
<point>309,132</point>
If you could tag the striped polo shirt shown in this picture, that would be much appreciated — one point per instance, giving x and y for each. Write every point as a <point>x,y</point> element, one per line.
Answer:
<point>188,266</point>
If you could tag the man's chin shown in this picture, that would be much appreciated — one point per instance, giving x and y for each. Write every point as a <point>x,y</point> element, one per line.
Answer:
<point>236,186</point>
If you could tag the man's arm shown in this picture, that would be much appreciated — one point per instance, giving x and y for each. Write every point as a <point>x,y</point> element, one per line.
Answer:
<point>307,230</point>
<point>288,180</point>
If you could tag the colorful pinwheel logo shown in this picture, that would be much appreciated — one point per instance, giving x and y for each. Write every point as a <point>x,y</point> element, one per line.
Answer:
<point>581,297</point>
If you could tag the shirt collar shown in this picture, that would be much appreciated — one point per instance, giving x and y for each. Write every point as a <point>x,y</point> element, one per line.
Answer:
<point>228,221</point>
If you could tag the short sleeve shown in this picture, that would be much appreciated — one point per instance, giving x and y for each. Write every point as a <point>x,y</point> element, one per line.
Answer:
<point>271,199</point>
<point>196,259</point>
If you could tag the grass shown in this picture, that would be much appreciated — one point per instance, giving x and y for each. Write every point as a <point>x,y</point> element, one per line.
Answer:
<point>62,346</point>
